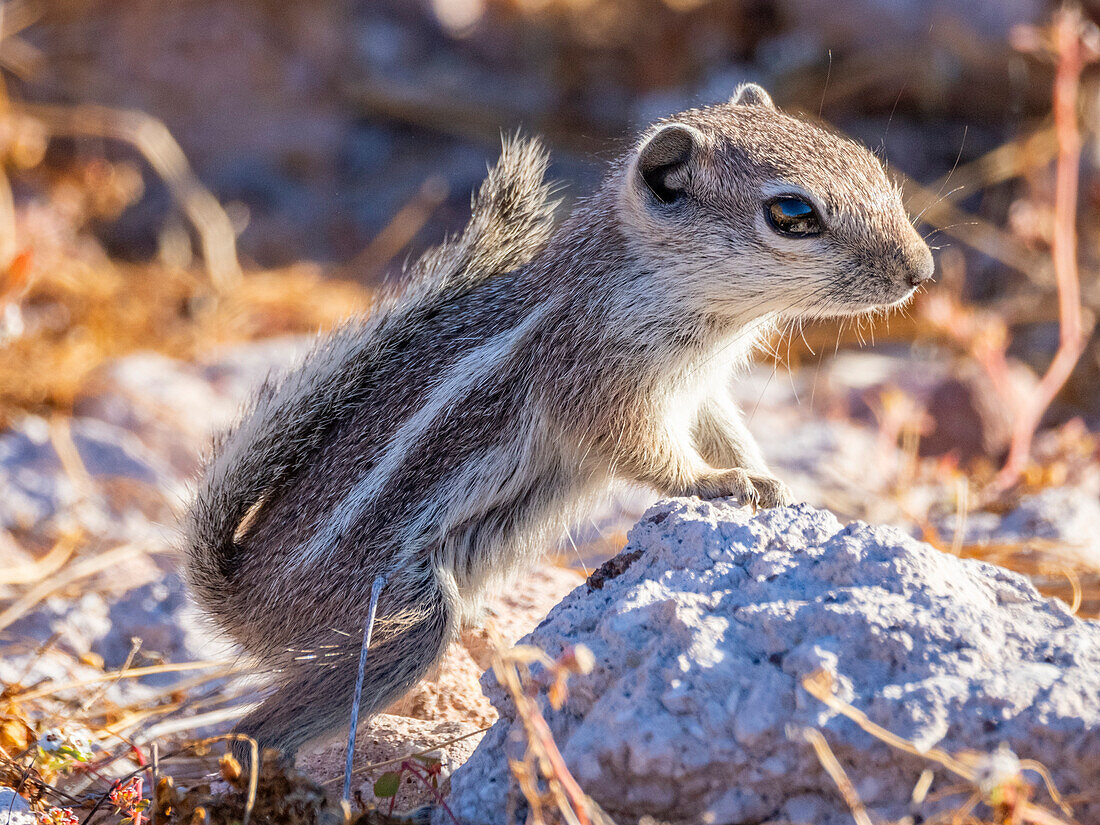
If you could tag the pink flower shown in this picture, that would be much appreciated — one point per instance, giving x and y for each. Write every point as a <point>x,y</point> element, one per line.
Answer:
<point>59,816</point>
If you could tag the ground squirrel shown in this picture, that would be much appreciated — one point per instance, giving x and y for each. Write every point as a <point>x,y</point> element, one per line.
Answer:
<point>448,438</point>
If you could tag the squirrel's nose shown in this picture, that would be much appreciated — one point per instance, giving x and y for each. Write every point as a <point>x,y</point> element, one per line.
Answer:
<point>921,266</point>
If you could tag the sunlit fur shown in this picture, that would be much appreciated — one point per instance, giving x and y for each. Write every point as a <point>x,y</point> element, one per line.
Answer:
<point>451,436</point>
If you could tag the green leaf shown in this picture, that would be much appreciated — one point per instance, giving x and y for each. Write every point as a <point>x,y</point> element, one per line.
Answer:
<point>387,784</point>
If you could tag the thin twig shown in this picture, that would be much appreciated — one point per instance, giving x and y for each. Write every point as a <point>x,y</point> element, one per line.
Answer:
<point>571,801</point>
<point>375,590</point>
<point>135,646</point>
<point>133,673</point>
<point>1072,57</point>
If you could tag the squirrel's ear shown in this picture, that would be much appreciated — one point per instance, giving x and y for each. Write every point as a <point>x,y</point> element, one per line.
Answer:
<point>751,94</point>
<point>666,158</point>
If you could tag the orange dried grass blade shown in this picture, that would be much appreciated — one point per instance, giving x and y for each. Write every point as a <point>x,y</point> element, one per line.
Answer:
<point>46,566</point>
<point>821,684</point>
<point>573,804</point>
<point>16,276</point>
<point>835,770</point>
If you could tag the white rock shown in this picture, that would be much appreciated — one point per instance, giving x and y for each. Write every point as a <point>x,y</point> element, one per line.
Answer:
<point>694,710</point>
<point>14,809</point>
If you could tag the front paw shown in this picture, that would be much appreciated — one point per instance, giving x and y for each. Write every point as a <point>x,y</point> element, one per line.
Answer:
<point>771,492</point>
<point>748,488</point>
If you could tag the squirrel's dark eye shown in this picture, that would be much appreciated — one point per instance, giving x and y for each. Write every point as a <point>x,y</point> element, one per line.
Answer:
<point>790,215</point>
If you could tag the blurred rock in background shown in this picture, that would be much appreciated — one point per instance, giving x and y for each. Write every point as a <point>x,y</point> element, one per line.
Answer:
<point>352,132</point>
<point>323,118</point>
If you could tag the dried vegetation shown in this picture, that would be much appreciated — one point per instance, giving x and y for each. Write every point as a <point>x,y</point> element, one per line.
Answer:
<point>67,306</point>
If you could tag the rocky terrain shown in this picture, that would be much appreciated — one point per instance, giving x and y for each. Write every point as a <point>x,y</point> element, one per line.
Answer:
<point>791,666</point>
<point>707,624</point>
<point>939,650</point>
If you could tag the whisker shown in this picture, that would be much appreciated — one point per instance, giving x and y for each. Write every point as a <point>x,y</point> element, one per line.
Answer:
<point>828,74</point>
<point>802,333</point>
<point>939,199</point>
<point>947,180</point>
<point>890,119</point>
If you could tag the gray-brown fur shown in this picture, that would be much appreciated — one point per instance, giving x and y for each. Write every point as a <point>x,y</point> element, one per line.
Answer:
<point>447,439</point>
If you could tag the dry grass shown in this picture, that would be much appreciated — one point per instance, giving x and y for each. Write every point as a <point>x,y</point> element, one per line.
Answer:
<point>79,319</point>
<point>993,780</point>
<point>552,794</point>
<point>67,308</point>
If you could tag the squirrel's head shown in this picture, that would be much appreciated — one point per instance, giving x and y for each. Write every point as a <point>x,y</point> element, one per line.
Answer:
<point>753,211</point>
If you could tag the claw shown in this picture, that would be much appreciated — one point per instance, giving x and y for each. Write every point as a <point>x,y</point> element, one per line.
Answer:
<point>772,491</point>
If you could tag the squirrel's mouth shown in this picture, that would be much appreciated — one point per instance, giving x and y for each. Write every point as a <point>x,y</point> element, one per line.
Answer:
<point>883,296</point>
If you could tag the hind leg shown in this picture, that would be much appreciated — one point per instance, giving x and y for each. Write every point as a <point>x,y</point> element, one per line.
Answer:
<point>314,697</point>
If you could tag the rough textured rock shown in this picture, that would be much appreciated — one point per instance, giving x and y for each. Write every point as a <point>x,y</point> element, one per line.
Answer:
<point>14,817</point>
<point>14,809</point>
<point>694,709</point>
<point>11,802</point>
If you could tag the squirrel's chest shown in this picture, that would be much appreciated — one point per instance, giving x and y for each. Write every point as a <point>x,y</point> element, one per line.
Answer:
<point>675,411</point>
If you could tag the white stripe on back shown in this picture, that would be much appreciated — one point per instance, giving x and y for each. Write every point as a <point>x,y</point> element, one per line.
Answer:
<point>468,371</point>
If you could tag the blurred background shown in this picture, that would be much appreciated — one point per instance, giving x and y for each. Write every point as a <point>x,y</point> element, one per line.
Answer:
<point>319,121</point>
<point>181,177</point>
<point>191,188</point>
<point>350,135</point>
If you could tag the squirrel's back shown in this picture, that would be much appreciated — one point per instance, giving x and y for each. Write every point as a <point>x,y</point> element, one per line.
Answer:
<point>361,379</point>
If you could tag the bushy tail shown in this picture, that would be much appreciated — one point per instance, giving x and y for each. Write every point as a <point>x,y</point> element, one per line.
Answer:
<point>511,220</point>
<point>290,417</point>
